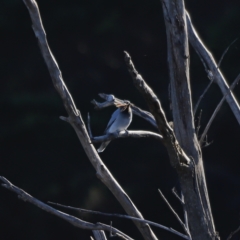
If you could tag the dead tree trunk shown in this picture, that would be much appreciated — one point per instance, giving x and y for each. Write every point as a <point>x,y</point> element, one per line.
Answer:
<point>193,183</point>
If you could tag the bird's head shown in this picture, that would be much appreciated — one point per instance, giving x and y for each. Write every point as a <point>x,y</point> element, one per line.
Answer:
<point>123,105</point>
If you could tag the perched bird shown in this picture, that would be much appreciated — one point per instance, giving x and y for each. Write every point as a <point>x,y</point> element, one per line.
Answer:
<point>119,121</point>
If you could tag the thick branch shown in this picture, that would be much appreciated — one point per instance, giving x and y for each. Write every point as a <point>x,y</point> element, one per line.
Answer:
<point>177,155</point>
<point>193,186</point>
<point>77,123</point>
<point>209,60</point>
<point>69,218</point>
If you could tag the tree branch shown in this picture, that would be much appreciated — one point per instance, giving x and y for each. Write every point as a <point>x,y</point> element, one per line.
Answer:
<point>175,214</point>
<point>224,53</point>
<point>201,97</point>
<point>75,119</point>
<point>122,134</point>
<point>127,134</point>
<point>99,235</point>
<point>209,60</point>
<point>217,109</point>
<point>123,216</point>
<point>69,218</point>
<point>197,202</point>
<point>232,233</point>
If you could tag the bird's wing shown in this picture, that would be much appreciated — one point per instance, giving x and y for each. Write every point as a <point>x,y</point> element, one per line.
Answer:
<point>112,119</point>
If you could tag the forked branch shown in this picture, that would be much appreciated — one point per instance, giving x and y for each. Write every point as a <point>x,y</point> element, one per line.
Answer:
<point>213,67</point>
<point>124,216</point>
<point>75,119</point>
<point>69,218</point>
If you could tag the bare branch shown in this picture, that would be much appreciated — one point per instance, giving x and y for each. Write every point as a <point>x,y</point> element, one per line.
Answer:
<point>75,119</point>
<point>201,97</point>
<point>210,75</point>
<point>224,53</point>
<point>99,235</point>
<point>199,123</point>
<point>232,233</point>
<point>123,134</point>
<point>150,97</point>
<point>69,218</point>
<point>218,108</point>
<point>123,216</point>
<point>209,60</point>
<point>89,127</point>
<point>127,134</point>
<point>176,195</point>
<point>174,213</point>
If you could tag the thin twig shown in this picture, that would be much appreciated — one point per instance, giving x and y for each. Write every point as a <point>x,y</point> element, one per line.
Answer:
<point>224,53</point>
<point>69,218</point>
<point>174,213</point>
<point>217,109</point>
<point>199,122</point>
<point>232,233</point>
<point>201,97</point>
<point>185,212</point>
<point>212,66</point>
<point>123,216</point>
<point>127,134</point>
<point>89,127</point>
<point>176,195</point>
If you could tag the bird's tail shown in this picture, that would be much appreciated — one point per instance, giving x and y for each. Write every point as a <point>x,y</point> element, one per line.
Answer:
<point>103,146</point>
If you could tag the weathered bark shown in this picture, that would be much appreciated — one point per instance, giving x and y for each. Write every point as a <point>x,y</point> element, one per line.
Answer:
<point>75,119</point>
<point>214,70</point>
<point>193,183</point>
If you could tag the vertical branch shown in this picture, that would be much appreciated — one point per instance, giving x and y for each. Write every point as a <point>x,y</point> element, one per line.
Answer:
<point>198,207</point>
<point>178,60</point>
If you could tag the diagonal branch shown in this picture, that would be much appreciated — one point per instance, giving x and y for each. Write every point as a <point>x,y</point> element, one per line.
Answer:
<point>75,119</point>
<point>150,97</point>
<point>225,52</point>
<point>123,216</point>
<point>175,214</point>
<point>232,233</point>
<point>177,155</point>
<point>99,235</point>
<point>201,97</point>
<point>69,218</point>
<point>217,109</point>
<point>213,67</point>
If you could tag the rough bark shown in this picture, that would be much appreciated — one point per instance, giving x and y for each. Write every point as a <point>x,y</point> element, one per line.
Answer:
<point>193,183</point>
<point>76,121</point>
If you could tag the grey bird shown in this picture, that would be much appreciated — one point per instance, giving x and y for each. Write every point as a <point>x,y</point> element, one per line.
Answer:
<point>119,121</point>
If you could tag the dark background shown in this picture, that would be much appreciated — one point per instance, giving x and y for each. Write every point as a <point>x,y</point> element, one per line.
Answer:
<point>41,154</point>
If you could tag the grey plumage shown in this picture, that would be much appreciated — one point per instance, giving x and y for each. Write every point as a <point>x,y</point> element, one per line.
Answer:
<point>119,121</point>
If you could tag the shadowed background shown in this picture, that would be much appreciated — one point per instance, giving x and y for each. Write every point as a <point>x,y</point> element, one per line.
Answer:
<point>42,155</point>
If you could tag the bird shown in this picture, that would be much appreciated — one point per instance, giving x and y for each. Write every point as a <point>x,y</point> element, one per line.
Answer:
<point>119,121</point>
